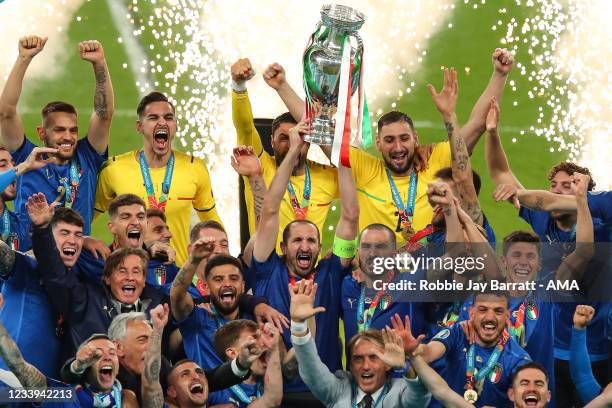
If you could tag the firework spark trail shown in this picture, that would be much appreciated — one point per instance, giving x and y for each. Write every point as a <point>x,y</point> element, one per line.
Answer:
<point>205,37</point>
<point>569,76</point>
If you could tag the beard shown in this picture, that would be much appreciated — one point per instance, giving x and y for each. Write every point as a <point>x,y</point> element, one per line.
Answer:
<point>223,309</point>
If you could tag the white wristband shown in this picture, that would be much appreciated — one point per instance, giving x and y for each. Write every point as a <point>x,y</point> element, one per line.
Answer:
<point>239,86</point>
<point>298,327</point>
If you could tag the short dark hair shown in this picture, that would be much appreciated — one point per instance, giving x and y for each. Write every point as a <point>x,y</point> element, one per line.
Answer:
<point>491,292</point>
<point>57,106</point>
<point>150,98</point>
<point>175,366</point>
<point>67,215</point>
<point>116,258</point>
<point>446,173</point>
<point>372,335</point>
<point>154,212</point>
<point>227,335</point>
<point>571,168</point>
<point>380,227</point>
<point>220,260</point>
<point>531,364</point>
<point>122,201</point>
<point>195,231</point>
<point>520,236</point>
<point>287,230</point>
<point>392,117</point>
<point>280,119</point>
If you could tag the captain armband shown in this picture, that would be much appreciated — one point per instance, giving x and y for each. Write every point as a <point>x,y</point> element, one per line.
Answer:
<point>343,248</point>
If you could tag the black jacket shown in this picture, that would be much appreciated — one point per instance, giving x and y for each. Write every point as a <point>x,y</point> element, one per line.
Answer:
<point>218,378</point>
<point>86,307</point>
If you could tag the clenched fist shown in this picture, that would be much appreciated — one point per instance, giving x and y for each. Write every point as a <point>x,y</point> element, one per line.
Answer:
<point>242,70</point>
<point>30,46</point>
<point>91,51</point>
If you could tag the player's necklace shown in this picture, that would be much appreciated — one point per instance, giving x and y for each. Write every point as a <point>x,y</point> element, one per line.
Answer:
<point>476,379</point>
<point>406,212</point>
<point>12,240</point>
<point>146,177</point>
<point>292,278</point>
<point>300,208</point>
<point>364,317</point>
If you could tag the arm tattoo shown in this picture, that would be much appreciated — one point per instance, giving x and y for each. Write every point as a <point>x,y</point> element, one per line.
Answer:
<point>258,187</point>
<point>539,203</point>
<point>7,259</point>
<point>459,150</point>
<point>100,93</point>
<point>152,393</point>
<point>182,280</point>
<point>26,373</point>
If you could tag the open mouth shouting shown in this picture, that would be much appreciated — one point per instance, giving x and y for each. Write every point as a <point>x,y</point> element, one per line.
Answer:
<point>531,399</point>
<point>303,260</point>
<point>69,254</point>
<point>196,389</point>
<point>227,296</point>
<point>128,291</point>
<point>367,378</point>
<point>133,236</point>
<point>105,374</point>
<point>489,328</point>
<point>161,137</point>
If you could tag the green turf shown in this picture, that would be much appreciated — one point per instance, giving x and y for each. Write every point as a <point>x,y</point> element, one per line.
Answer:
<point>468,44</point>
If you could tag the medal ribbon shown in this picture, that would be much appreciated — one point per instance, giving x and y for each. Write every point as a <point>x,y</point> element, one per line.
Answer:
<point>200,285</point>
<point>378,400</point>
<point>364,317</point>
<point>11,241</point>
<point>292,278</point>
<point>301,209</point>
<point>451,316</point>
<point>146,177</point>
<point>517,329</point>
<point>242,396</point>
<point>483,372</point>
<point>72,188</point>
<point>406,212</point>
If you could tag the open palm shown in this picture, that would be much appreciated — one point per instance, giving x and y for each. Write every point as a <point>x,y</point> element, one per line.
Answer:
<point>404,331</point>
<point>446,100</point>
<point>245,161</point>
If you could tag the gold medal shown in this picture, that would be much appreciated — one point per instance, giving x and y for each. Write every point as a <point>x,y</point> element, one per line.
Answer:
<point>408,232</point>
<point>470,396</point>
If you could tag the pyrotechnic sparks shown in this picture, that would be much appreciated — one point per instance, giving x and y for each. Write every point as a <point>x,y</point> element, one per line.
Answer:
<point>569,76</point>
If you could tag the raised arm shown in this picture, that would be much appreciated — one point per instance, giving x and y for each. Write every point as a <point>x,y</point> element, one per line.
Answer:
<point>247,164</point>
<point>26,373</point>
<point>436,385</point>
<point>11,126</point>
<point>267,229</point>
<point>180,300</point>
<point>495,156</point>
<point>274,76</point>
<point>574,265</point>
<point>242,114</point>
<point>446,102</point>
<point>151,389</point>
<point>503,61</point>
<point>104,99</point>
<point>580,369</point>
<point>430,351</point>
<point>67,293</point>
<point>273,379</point>
<point>348,225</point>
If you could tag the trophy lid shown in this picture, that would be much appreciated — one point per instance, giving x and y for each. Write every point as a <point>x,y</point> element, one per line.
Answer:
<point>342,17</point>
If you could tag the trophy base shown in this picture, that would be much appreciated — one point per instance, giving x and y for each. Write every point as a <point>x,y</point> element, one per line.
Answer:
<point>322,132</point>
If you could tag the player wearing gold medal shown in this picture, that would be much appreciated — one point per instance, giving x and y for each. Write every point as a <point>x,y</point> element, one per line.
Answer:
<point>312,186</point>
<point>166,179</point>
